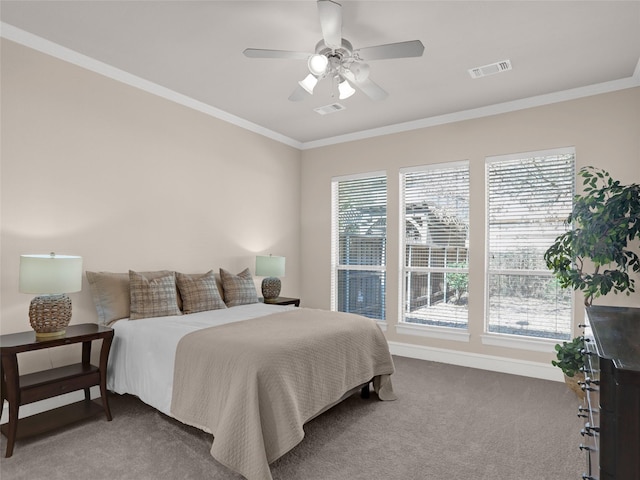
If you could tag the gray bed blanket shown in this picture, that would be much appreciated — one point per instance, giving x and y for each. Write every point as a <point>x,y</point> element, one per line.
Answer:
<point>253,384</point>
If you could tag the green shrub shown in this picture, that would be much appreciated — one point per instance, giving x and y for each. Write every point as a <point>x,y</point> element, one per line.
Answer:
<point>570,356</point>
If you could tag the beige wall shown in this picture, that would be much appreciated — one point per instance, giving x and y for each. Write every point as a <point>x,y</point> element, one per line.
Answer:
<point>127,180</point>
<point>604,129</point>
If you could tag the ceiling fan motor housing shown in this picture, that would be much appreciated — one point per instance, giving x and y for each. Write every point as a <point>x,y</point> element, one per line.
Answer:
<point>338,58</point>
<point>345,51</point>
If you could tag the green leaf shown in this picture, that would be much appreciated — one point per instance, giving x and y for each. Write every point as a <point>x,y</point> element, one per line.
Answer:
<point>605,218</point>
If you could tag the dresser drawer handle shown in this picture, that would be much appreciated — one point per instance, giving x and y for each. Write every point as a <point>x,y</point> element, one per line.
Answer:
<point>585,447</point>
<point>586,388</point>
<point>591,428</point>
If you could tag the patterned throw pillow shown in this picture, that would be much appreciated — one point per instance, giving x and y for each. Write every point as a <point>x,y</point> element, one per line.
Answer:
<point>238,289</point>
<point>155,297</point>
<point>199,292</point>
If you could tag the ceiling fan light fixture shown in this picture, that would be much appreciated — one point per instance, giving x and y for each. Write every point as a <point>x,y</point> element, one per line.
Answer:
<point>345,90</point>
<point>317,64</point>
<point>360,71</point>
<point>334,58</point>
<point>309,83</point>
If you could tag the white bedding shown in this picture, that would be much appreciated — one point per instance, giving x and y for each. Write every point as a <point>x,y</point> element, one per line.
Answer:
<point>142,355</point>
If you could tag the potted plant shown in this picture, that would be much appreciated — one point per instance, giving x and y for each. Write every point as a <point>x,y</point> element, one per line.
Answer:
<point>594,256</point>
<point>570,359</point>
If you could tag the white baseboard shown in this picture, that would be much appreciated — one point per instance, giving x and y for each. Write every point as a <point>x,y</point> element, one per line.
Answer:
<point>48,404</point>
<point>476,360</point>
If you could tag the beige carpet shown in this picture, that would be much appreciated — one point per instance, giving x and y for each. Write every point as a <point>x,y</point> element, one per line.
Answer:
<point>448,423</point>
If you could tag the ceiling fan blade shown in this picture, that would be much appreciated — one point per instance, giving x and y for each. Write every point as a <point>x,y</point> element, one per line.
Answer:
<point>372,90</point>
<point>367,86</point>
<point>298,94</point>
<point>413,48</point>
<point>331,23</point>
<point>262,53</point>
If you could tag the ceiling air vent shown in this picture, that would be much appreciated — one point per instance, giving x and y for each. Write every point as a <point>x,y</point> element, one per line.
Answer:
<point>327,109</point>
<point>491,69</point>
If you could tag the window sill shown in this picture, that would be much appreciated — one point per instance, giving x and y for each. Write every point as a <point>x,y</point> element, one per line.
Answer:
<point>443,333</point>
<point>511,341</point>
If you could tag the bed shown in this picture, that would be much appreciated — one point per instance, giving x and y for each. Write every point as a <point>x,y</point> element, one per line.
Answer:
<point>249,373</point>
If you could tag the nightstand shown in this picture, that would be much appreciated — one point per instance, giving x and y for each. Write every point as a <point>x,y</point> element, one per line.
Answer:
<point>22,389</point>
<point>282,301</point>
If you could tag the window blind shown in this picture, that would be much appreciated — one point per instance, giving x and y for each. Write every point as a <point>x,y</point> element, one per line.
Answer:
<point>359,239</point>
<point>528,200</point>
<point>435,203</point>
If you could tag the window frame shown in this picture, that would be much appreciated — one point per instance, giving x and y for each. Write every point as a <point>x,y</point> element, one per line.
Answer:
<point>457,333</point>
<point>336,266</point>
<point>530,342</point>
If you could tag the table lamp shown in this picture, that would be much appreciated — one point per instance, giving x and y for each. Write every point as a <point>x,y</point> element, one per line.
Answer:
<point>51,277</point>
<point>270,267</point>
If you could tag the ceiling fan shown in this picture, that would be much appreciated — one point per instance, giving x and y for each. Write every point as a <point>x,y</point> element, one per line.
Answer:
<point>336,59</point>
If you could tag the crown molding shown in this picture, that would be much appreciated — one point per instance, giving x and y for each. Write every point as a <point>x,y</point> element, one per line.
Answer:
<point>71,56</point>
<point>487,111</point>
<point>55,50</point>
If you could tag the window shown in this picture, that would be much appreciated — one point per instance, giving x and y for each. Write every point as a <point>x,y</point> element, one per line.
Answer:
<point>359,243</point>
<point>529,196</point>
<point>435,206</point>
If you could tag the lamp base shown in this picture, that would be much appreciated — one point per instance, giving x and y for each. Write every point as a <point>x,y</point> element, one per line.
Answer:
<point>271,288</point>
<point>49,315</point>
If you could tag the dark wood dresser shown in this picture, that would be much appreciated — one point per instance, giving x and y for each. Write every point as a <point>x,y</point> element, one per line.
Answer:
<point>612,383</point>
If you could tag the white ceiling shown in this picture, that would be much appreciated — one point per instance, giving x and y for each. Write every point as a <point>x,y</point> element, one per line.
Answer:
<point>558,49</point>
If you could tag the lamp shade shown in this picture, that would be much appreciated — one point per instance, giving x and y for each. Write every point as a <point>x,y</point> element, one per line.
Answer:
<point>269,266</point>
<point>345,90</point>
<point>360,71</point>
<point>309,83</point>
<point>50,274</point>
<point>317,64</point>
